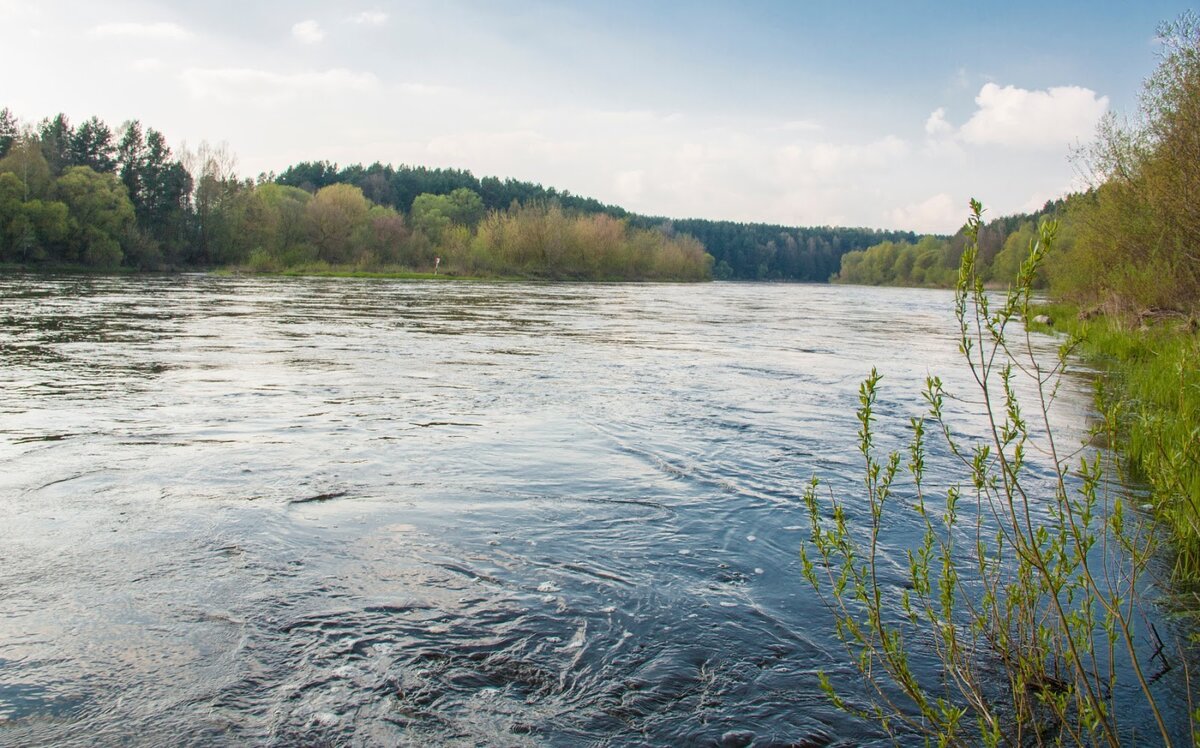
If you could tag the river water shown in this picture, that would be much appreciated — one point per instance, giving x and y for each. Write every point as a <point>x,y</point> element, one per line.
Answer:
<point>327,511</point>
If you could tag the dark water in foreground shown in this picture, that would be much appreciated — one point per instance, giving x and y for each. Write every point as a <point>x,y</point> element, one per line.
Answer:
<point>371,513</point>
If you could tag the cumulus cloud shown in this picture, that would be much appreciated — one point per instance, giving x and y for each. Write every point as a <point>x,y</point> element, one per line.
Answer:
<point>930,216</point>
<point>936,125</point>
<point>369,18</point>
<point>1020,118</point>
<point>425,89</point>
<point>145,65</point>
<point>266,87</point>
<point>308,32</point>
<point>831,158</point>
<point>164,31</point>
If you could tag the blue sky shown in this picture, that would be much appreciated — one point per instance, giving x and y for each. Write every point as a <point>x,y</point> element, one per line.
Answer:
<point>884,114</point>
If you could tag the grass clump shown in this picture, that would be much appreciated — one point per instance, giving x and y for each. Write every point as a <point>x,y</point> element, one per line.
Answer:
<point>1150,386</point>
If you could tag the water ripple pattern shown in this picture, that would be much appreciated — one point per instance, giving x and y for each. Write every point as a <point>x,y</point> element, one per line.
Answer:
<point>285,511</point>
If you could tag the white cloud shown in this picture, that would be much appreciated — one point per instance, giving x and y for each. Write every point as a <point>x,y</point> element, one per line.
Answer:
<point>146,65</point>
<point>164,31</point>
<point>425,89</point>
<point>936,125</point>
<point>630,185</point>
<point>933,215</point>
<point>1020,118</point>
<point>832,158</point>
<point>267,88</point>
<point>308,32</point>
<point>369,18</point>
<point>16,10</point>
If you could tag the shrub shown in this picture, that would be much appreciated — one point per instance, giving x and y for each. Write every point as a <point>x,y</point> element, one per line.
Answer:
<point>1026,603</point>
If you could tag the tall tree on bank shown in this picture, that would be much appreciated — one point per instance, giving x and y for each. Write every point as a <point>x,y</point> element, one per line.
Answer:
<point>55,135</point>
<point>100,216</point>
<point>91,145</point>
<point>9,131</point>
<point>1139,233</point>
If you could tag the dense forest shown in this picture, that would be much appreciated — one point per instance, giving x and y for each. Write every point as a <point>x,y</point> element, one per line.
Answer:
<point>742,251</point>
<point>90,197</point>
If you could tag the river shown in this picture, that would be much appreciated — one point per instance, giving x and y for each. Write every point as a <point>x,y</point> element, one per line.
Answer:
<point>361,512</point>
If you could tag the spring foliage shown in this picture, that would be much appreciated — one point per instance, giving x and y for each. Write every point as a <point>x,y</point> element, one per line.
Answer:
<point>1017,618</point>
<point>86,197</point>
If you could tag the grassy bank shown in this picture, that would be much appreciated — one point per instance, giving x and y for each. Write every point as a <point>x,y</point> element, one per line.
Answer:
<point>1152,385</point>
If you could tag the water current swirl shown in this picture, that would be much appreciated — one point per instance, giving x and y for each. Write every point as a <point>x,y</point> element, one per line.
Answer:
<point>285,511</point>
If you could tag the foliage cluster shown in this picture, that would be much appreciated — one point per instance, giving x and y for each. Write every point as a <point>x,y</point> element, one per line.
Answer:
<point>933,261</point>
<point>1139,233</point>
<point>192,210</point>
<point>284,228</point>
<point>741,251</point>
<point>87,197</point>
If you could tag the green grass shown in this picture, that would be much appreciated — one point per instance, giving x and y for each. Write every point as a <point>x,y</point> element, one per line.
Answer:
<point>1153,388</point>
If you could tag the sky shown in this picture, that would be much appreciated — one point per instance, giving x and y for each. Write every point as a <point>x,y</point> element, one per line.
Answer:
<point>881,114</point>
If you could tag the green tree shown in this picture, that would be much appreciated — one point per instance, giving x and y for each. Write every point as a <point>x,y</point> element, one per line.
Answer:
<point>10,130</point>
<point>30,230</point>
<point>433,214</point>
<point>55,136</point>
<point>309,176</point>
<point>1139,231</point>
<point>17,237</point>
<point>100,214</point>
<point>217,200</point>
<point>25,160</point>
<point>430,214</point>
<point>131,157</point>
<point>333,217</point>
<point>464,207</point>
<point>164,199</point>
<point>383,237</point>
<point>284,208</point>
<point>91,144</point>
<point>1007,264</point>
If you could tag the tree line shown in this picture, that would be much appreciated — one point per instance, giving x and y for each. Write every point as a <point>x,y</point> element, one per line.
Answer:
<point>933,260</point>
<point>87,196</point>
<point>740,251</point>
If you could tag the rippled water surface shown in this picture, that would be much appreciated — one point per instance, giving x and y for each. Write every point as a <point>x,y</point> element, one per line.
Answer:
<point>380,513</point>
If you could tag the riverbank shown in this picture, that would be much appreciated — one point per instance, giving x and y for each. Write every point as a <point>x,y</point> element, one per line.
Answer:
<point>350,272</point>
<point>1152,386</point>
<point>331,271</point>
